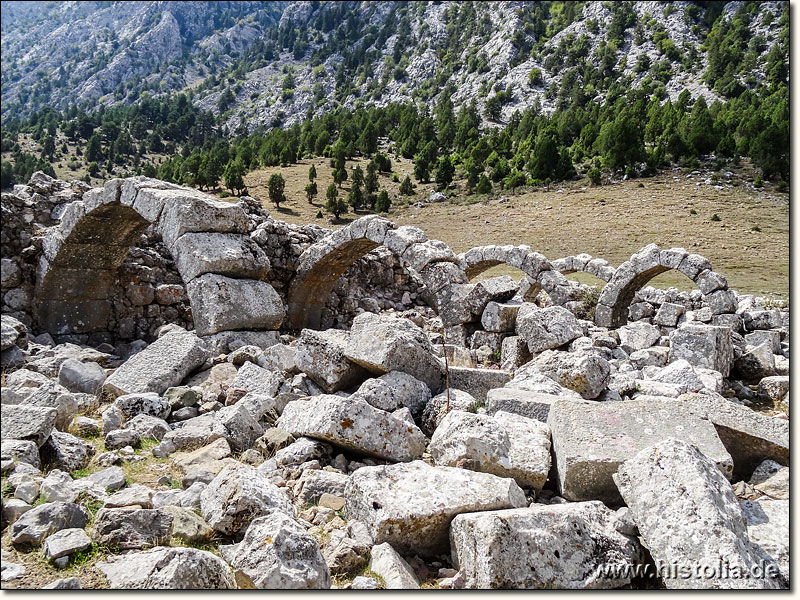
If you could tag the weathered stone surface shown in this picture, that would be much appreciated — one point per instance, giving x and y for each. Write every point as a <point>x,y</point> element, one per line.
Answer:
<point>383,344</point>
<point>163,364</point>
<point>477,382</point>
<point>668,314</point>
<point>772,479</point>
<point>225,254</point>
<point>353,424</point>
<point>583,372</point>
<point>168,569</point>
<point>110,479</point>
<point>775,388</point>
<point>500,317</point>
<point>148,427</point>
<point>768,527</point>
<point>504,444</point>
<point>638,336</point>
<point>314,484</point>
<point>239,494</point>
<point>545,328</point>
<point>119,438</point>
<point>410,505</point>
<point>689,518</point>
<point>681,374</point>
<point>706,346</point>
<point>495,289</point>
<point>756,363</point>
<point>303,450</point>
<point>135,495</point>
<point>394,390</point>
<point>43,520</point>
<point>441,404</point>
<point>396,572</point>
<point>24,451</point>
<point>54,395</point>
<point>147,403</point>
<point>578,548</point>
<point>187,526</point>
<point>131,528</point>
<point>66,542</point>
<point>22,422</point>
<point>69,583</point>
<point>749,436</point>
<point>253,378</point>
<point>13,509</point>
<point>277,553</point>
<point>221,303</point>
<point>243,429</point>
<point>591,440</point>
<point>66,452</point>
<point>321,355</point>
<point>82,377</point>
<point>533,405</point>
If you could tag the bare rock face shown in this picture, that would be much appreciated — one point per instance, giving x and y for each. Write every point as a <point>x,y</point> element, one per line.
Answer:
<point>690,519</point>
<point>278,553</point>
<point>504,444</point>
<point>239,494</point>
<point>546,328</point>
<point>768,526</point>
<point>706,346</point>
<point>21,422</point>
<point>582,372</point>
<point>393,391</point>
<point>321,355</point>
<point>591,440</point>
<point>353,424</point>
<point>43,520</point>
<point>221,303</point>
<point>410,505</point>
<point>382,344</point>
<point>566,546</point>
<point>168,569</point>
<point>163,364</point>
<point>132,528</point>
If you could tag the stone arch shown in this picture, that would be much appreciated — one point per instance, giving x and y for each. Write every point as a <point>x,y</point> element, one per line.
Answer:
<point>539,272</point>
<point>632,275</point>
<point>598,267</point>
<point>322,263</point>
<point>222,268</point>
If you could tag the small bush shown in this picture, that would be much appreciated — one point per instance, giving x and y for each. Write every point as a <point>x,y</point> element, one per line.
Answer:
<point>319,214</point>
<point>715,217</point>
<point>755,228</point>
<point>693,212</point>
<point>758,182</point>
<point>594,176</point>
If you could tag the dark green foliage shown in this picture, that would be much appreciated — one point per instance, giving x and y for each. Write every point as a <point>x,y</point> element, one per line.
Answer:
<point>383,203</point>
<point>275,187</point>
<point>334,203</point>
<point>407,188</point>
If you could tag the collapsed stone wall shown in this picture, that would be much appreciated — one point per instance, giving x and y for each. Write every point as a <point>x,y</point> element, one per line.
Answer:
<point>149,292</point>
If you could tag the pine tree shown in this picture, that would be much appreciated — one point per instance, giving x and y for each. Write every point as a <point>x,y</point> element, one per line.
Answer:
<point>312,173</point>
<point>371,183</point>
<point>444,172</point>
<point>356,197</point>
<point>407,188</point>
<point>334,204</point>
<point>233,175</point>
<point>484,185</point>
<point>311,191</point>
<point>383,203</point>
<point>275,187</point>
<point>94,151</point>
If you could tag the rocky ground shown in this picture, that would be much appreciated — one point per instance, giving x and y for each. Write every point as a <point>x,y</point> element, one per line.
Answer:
<point>479,435</point>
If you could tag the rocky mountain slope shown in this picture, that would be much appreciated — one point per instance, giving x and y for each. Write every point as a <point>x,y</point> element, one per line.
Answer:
<point>273,63</point>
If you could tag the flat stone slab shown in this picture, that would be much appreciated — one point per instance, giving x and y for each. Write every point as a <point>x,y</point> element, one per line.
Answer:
<point>66,542</point>
<point>566,546</point>
<point>163,364</point>
<point>505,444</point>
<point>705,346</point>
<point>225,254</point>
<point>532,405</point>
<point>355,425</point>
<point>477,382</point>
<point>168,569</point>
<point>591,440</point>
<point>749,437</point>
<point>410,505</point>
<point>24,422</point>
<point>690,519</point>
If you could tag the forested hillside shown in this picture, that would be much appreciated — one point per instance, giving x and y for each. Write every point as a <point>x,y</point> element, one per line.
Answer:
<point>502,95</point>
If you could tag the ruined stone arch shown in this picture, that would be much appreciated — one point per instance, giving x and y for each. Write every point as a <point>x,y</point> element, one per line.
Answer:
<point>322,263</point>
<point>632,275</point>
<point>222,268</point>
<point>584,263</point>
<point>538,270</point>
